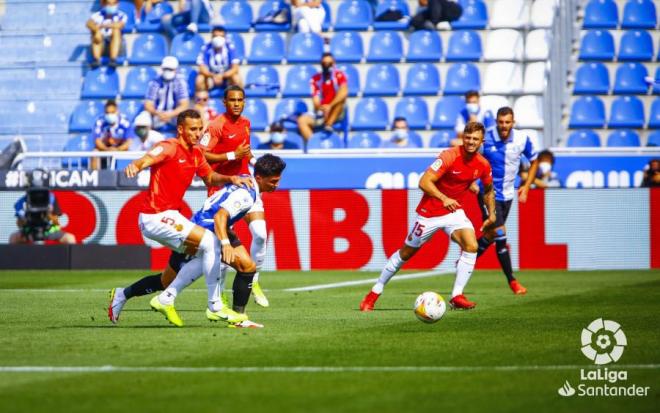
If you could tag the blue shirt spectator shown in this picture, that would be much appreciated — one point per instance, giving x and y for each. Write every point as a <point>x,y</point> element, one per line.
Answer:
<point>473,112</point>
<point>167,95</point>
<point>217,63</point>
<point>105,27</point>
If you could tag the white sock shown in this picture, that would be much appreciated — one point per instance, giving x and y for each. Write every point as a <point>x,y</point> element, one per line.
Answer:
<point>464,270</point>
<point>211,263</point>
<point>258,247</point>
<point>392,267</point>
<point>188,273</point>
<point>223,275</point>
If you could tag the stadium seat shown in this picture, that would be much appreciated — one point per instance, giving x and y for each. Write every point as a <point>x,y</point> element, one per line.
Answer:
<point>353,78</point>
<point>464,45</point>
<point>186,47</point>
<point>385,46</point>
<point>393,5</point>
<point>656,82</point>
<point>623,138</point>
<point>587,112</point>
<point>415,110</point>
<point>266,47</point>
<point>537,45</point>
<point>462,77</point>
<point>288,110</point>
<point>130,108</point>
<point>77,143</point>
<point>347,47</point>
<point>474,16</point>
<point>654,115</point>
<point>382,80</point>
<point>597,45</point>
<point>101,83</point>
<point>305,48</point>
<point>237,15</point>
<point>84,115</point>
<point>626,112</point>
<point>297,81</point>
<point>629,79</point>
<point>636,45</point>
<point>270,6</point>
<point>583,139</point>
<point>150,22</point>
<point>262,81</point>
<point>129,9</point>
<point>148,49</point>
<point>601,14</point>
<point>325,140</point>
<point>422,79</point>
<point>653,139</point>
<point>446,112</point>
<point>509,14</point>
<point>137,80</point>
<point>414,141</point>
<point>529,111</point>
<point>534,82</point>
<point>503,78</point>
<point>353,15</point>
<point>542,14</point>
<point>364,140</point>
<point>493,103</point>
<point>504,44</point>
<point>639,14</point>
<point>257,112</point>
<point>370,113</point>
<point>424,46</point>
<point>442,138</point>
<point>237,40</point>
<point>592,79</point>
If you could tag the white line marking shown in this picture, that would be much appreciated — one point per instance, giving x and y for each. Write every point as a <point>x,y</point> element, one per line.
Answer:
<point>302,369</point>
<point>362,282</point>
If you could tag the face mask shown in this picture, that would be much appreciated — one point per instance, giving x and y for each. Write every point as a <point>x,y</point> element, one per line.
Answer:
<point>142,131</point>
<point>168,74</point>
<point>326,69</point>
<point>111,9</point>
<point>545,167</point>
<point>218,42</point>
<point>111,118</point>
<point>400,134</point>
<point>277,137</point>
<point>472,108</point>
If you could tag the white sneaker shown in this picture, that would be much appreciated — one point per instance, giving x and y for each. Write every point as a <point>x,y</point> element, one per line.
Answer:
<point>443,26</point>
<point>245,324</point>
<point>117,301</point>
<point>192,27</point>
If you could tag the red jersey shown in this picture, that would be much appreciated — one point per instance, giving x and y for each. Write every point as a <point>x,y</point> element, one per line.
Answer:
<point>171,174</point>
<point>456,174</point>
<point>327,89</point>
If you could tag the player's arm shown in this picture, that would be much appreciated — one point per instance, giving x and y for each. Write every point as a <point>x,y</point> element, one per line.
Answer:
<point>216,179</point>
<point>92,26</point>
<point>137,165</point>
<point>240,152</point>
<point>531,175</point>
<point>489,200</point>
<point>220,220</point>
<point>427,184</point>
<point>233,69</point>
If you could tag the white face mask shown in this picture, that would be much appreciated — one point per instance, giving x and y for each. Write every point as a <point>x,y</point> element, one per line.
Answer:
<point>545,167</point>
<point>169,74</point>
<point>218,42</point>
<point>472,108</point>
<point>111,118</point>
<point>277,137</point>
<point>400,134</point>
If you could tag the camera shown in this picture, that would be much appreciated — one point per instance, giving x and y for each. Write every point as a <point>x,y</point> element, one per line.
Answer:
<point>37,206</point>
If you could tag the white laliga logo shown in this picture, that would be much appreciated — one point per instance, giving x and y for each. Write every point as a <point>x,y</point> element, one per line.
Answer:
<point>603,341</point>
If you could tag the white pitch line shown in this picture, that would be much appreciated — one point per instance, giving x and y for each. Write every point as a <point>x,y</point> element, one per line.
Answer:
<point>362,282</point>
<point>304,369</point>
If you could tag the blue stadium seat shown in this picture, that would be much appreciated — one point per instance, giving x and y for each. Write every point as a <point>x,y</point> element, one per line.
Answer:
<point>288,110</point>
<point>353,78</point>
<point>382,80</point>
<point>424,46</point>
<point>186,47</point>
<point>84,115</point>
<point>597,45</point>
<point>587,112</point>
<point>626,112</point>
<point>385,5</point>
<point>237,15</point>
<point>150,22</point>
<point>623,138</point>
<point>422,79</point>
<point>130,108</point>
<point>653,139</point>
<point>237,40</point>
<point>257,112</point>
<point>474,16</point>
<point>464,45</point>
<point>353,15</point>
<point>385,46</point>
<point>267,7</point>
<point>305,48</point>
<point>129,8</point>
<point>347,47</point>
<point>148,49</point>
<point>446,112</point>
<point>629,79</point>
<point>101,83</point>
<point>592,79</point>
<point>325,140</point>
<point>371,113</point>
<point>137,81</point>
<point>656,83</point>
<point>601,14</point>
<point>415,139</point>
<point>81,143</point>
<point>462,77</point>
<point>262,81</point>
<point>190,73</point>
<point>654,116</point>
<point>583,139</point>
<point>327,20</point>
<point>415,110</point>
<point>297,81</point>
<point>364,140</point>
<point>266,48</point>
<point>639,14</point>
<point>636,45</point>
<point>442,138</point>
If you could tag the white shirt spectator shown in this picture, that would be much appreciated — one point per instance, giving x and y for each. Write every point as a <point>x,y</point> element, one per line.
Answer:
<point>101,18</point>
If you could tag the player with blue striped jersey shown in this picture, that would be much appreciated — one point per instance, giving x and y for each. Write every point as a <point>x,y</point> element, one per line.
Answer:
<point>236,200</point>
<point>503,147</point>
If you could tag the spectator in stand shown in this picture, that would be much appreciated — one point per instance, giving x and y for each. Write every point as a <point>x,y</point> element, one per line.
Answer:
<point>217,63</point>
<point>167,95</point>
<point>277,139</point>
<point>110,133</point>
<point>436,14</point>
<point>472,112</point>
<point>138,9</point>
<point>106,26</point>
<point>147,137</point>
<point>652,174</point>
<point>400,135</point>
<point>191,13</point>
<point>202,106</point>
<point>545,176</point>
<point>329,93</point>
<point>308,15</point>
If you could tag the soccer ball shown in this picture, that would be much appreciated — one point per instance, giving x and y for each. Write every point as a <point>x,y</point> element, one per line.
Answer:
<point>430,307</point>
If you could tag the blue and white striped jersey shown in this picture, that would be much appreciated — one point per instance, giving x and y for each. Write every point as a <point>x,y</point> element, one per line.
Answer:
<point>504,158</point>
<point>236,200</point>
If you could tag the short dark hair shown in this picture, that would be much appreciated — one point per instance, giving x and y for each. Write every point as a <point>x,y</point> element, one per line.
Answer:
<point>399,119</point>
<point>326,54</point>
<point>232,88</point>
<point>504,110</point>
<point>218,27</point>
<point>110,102</point>
<point>269,165</point>
<point>471,93</point>
<point>471,127</point>
<point>188,113</point>
<point>547,153</point>
<point>276,127</point>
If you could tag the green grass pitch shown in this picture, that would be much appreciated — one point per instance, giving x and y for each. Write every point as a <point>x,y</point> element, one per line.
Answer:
<point>510,354</point>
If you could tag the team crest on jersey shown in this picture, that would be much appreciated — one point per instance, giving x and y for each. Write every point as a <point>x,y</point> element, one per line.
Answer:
<point>178,227</point>
<point>206,138</point>
<point>436,165</point>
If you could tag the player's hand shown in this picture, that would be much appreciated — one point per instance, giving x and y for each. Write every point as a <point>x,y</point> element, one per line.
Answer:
<point>163,116</point>
<point>522,193</point>
<point>489,222</point>
<point>131,170</point>
<point>228,254</point>
<point>451,204</point>
<point>474,188</point>
<point>241,180</point>
<point>242,151</point>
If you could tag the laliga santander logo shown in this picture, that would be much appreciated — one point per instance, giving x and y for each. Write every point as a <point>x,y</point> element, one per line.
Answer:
<point>603,341</point>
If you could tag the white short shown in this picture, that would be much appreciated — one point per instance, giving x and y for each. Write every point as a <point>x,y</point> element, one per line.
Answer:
<point>258,205</point>
<point>169,228</point>
<point>424,228</point>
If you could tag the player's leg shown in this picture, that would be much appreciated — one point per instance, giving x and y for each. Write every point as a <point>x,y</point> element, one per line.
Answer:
<point>245,270</point>
<point>334,115</point>
<point>306,126</point>
<point>503,255</point>
<point>256,220</point>
<point>486,238</point>
<point>201,83</point>
<point>115,45</point>
<point>460,230</point>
